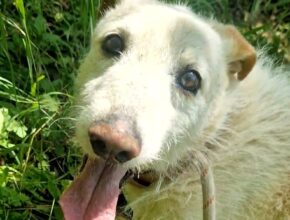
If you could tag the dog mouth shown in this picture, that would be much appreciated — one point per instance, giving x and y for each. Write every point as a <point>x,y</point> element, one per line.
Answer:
<point>141,180</point>
<point>94,193</point>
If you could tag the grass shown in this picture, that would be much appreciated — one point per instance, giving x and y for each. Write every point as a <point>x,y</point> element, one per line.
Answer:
<point>41,45</point>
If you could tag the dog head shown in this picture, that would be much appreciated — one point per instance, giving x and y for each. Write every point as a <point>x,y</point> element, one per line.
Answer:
<point>156,74</point>
<point>155,77</point>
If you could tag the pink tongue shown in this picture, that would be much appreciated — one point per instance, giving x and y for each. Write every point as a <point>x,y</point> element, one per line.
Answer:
<point>94,193</point>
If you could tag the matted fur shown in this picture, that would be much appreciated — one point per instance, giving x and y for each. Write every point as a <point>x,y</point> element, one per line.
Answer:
<point>241,122</point>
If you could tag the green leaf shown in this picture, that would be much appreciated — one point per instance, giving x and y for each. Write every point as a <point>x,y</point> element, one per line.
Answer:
<point>5,143</point>
<point>1,120</point>
<point>40,24</point>
<point>49,103</point>
<point>17,127</point>
<point>53,190</point>
<point>35,84</point>
<point>51,38</point>
<point>8,124</point>
<point>3,176</point>
<point>20,131</point>
<point>11,197</point>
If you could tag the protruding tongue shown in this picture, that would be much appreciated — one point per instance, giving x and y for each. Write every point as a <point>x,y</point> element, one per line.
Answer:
<point>94,193</point>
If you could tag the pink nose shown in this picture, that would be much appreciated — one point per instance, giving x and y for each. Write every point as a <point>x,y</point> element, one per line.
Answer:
<point>114,141</point>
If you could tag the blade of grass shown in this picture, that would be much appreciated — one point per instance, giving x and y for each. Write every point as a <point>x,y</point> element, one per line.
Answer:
<point>27,43</point>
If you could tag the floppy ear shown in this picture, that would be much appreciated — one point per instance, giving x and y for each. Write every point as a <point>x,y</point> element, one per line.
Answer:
<point>240,54</point>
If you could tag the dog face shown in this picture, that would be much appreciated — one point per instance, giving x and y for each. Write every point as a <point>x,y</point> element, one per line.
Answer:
<point>160,74</point>
<point>154,80</point>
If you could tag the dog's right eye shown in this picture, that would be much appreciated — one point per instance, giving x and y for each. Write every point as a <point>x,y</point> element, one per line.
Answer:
<point>113,44</point>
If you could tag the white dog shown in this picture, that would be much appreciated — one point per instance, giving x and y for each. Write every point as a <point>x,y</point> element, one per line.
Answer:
<point>160,85</point>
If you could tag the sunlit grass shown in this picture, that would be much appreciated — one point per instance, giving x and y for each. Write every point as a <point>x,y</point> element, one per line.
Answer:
<point>40,45</point>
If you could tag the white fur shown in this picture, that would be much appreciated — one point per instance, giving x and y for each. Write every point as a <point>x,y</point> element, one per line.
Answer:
<point>243,127</point>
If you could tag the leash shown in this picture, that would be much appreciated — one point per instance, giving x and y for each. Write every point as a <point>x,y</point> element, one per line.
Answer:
<point>207,184</point>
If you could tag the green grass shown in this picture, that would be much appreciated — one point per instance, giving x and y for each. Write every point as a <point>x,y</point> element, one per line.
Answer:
<point>41,45</point>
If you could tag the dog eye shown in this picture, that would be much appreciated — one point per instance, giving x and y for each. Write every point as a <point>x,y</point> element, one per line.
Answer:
<point>190,80</point>
<point>113,44</point>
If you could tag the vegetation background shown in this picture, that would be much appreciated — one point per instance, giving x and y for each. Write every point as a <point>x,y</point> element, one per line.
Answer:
<point>41,45</point>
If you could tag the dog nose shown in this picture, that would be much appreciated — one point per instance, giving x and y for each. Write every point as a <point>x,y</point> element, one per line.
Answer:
<point>116,141</point>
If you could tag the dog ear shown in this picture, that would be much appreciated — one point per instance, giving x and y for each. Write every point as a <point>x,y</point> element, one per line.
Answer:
<point>240,54</point>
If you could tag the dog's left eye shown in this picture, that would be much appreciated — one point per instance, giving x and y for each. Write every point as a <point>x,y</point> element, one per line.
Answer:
<point>113,44</point>
<point>190,80</point>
